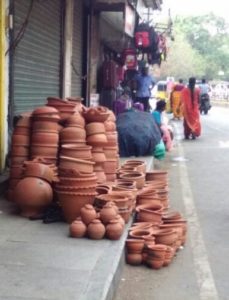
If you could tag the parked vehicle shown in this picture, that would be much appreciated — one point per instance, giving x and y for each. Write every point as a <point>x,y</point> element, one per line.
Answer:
<point>204,104</point>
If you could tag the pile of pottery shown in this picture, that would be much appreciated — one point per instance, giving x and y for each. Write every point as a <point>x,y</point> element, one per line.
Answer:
<point>107,223</point>
<point>159,232</point>
<point>34,193</point>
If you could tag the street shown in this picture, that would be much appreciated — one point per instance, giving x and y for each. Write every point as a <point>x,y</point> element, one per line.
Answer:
<point>199,188</point>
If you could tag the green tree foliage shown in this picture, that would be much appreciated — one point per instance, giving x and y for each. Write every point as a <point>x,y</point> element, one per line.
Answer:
<point>203,43</point>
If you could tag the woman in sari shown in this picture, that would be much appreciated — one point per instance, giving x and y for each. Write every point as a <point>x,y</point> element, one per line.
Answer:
<point>175,100</point>
<point>190,109</point>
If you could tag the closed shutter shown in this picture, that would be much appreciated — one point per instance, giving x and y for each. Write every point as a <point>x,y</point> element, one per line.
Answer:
<point>77,49</point>
<point>37,56</point>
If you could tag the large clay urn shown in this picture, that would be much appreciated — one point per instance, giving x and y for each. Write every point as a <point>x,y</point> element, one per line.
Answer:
<point>114,230</point>
<point>32,195</point>
<point>96,230</point>
<point>88,213</point>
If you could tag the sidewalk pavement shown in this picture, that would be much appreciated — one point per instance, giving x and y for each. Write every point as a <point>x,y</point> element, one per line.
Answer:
<point>40,261</point>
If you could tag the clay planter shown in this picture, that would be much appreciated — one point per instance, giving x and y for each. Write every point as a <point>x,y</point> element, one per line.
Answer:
<point>127,184</point>
<point>134,245</point>
<point>20,140</point>
<point>138,164</point>
<point>110,152</point>
<point>70,134</point>
<point>74,151</point>
<point>157,251</point>
<point>114,230</point>
<point>79,181</point>
<point>121,201</point>
<point>44,150</point>
<point>22,131</point>
<point>140,233</point>
<point>101,177</point>
<point>120,220</point>
<point>16,171</point>
<point>154,263</point>
<point>52,101</point>
<point>72,203</point>
<point>17,150</point>
<point>133,259</point>
<point>47,126</point>
<point>95,128</point>
<point>165,236</point>
<point>95,114</point>
<point>110,166</point>
<point>149,213</point>
<point>131,197</point>
<point>110,125</point>
<point>112,138</point>
<point>135,176</point>
<point>32,195</point>
<point>75,120</point>
<point>96,230</point>
<point>107,213</point>
<point>41,171</point>
<point>88,214</point>
<point>98,155</point>
<point>157,175</point>
<point>77,229</point>
<point>97,140</point>
<point>45,111</point>
<point>45,137</point>
<point>73,189</point>
<point>77,164</point>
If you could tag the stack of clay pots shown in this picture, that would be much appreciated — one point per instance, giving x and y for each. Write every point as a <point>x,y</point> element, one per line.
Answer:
<point>111,149</point>
<point>65,107</point>
<point>34,192</point>
<point>19,151</point>
<point>45,134</point>
<point>107,223</point>
<point>96,137</point>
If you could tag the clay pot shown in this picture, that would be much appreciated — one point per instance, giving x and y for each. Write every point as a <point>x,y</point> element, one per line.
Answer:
<point>79,165</point>
<point>111,176</point>
<point>88,213</point>
<point>52,101</point>
<point>74,151</point>
<point>47,126</point>
<point>133,259</point>
<point>96,230</point>
<point>41,171</point>
<point>47,160</point>
<point>107,213</point>
<point>125,214</point>
<point>72,203</point>
<point>75,189</point>
<point>149,213</point>
<point>140,234</point>
<point>79,181</point>
<point>20,139</point>
<point>19,150</point>
<point>165,236</point>
<point>45,137</point>
<point>101,177</point>
<point>97,140</point>
<point>95,114</point>
<point>121,200</point>
<point>70,134</point>
<point>138,164</point>
<point>110,166</point>
<point>95,128</point>
<point>157,251</point>
<point>110,152</point>
<point>45,111</point>
<point>77,229</point>
<point>114,230</point>
<point>134,245</point>
<point>109,125</point>
<point>135,176</point>
<point>120,220</point>
<point>32,195</point>
<point>156,175</point>
<point>16,171</point>
<point>75,119</point>
<point>18,160</point>
<point>24,121</point>
<point>98,155</point>
<point>154,263</point>
<point>112,138</point>
<point>44,150</point>
<point>112,116</point>
<point>22,131</point>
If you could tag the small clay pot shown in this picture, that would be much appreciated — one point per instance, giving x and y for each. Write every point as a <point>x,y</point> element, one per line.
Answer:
<point>75,119</point>
<point>44,150</point>
<point>140,233</point>
<point>114,230</point>
<point>95,114</point>
<point>19,150</point>
<point>96,230</point>
<point>79,165</point>
<point>20,139</point>
<point>166,236</point>
<point>97,140</point>
<point>70,134</point>
<point>77,229</point>
<point>95,128</point>
<point>45,111</point>
<point>133,259</point>
<point>74,151</point>
<point>135,176</point>
<point>110,125</point>
<point>110,152</point>
<point>134,245</point>
<point>157,251</point>
<point>45,137</point>
<point>154,263</point>
<point>107,213</point>
<point>88,213</point>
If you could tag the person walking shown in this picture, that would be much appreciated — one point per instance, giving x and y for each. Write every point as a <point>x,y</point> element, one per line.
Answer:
<point>143,85</point>
<point>175,100</point>
<point>190,108</point>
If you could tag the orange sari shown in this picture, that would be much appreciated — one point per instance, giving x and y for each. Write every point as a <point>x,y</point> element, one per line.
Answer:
<point>191,112</point>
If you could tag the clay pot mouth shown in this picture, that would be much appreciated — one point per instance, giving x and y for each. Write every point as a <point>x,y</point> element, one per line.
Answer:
<point>155,208</point>
<point>163,232</point>
<point>139,233</point>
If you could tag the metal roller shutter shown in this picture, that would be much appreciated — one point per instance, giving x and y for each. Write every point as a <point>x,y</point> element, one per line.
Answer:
<point>77,49</point>
<point>37,56</point>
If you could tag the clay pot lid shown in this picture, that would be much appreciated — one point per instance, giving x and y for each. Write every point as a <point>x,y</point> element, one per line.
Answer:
<point>77,160</point>
<point>45,110</point>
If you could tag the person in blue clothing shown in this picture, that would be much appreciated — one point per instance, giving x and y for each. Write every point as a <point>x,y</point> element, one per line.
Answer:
<point>144,84</point>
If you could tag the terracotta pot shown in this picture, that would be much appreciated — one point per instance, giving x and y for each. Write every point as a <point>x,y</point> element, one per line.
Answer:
<point>138,164</point>
<point>77,164</point>
<point>20,139</point>
<point>18,160</point>
<point>66,113</point>
<point>75,119</point>
<point>24,121</point>
<point>147,213</point>
<point>95,128</point>
<point>125,214</point>
<point>47,160</point>
<point>154,263</point>
<point>114,230</point>
<point>45,137</point>
<point>134,245</point>
<point>112,116</point>
<point>16,171</point>
<point>70,134</point>
<point>19,150</point>
<point>79,182</point>
<point>97,140</point>
<point>110,152</point>
<point>46,126</point>
<point>135,176</point>
<point>107,213</point>
<point>102,189</point>
<point>32,195</point>
<point>120,200</point>
<point>165,236</point>
<point>13,183</point>
<point>111,176</point>
<point>75,189</point>
<point>156,174</point>
<point>133,259</point>
<point>74,151</point>
<point>41,171</point>
<point>109,125</point>
<point>22,131</point>
<point>128,184</point>
<point>45,111</point>
<point>157,251</point>
<point>44,150</point>
<point>98,156</point>
<point>140,234</point>
<point>95,114</point>
<point>120,220</point>
<point>110,166</point>
<point>88,213</point>
<point>77,229</point>
<point>112,138</point>
<point>71,203</point>
<point>96,230</point>
<point>55,101</point>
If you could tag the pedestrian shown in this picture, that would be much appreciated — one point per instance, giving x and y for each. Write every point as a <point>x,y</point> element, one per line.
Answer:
<point>165,129</point>
<point>175,100</point>
<point>190,108</point>
<point>124,102</point>
<point>204,91</point>
<point>143,85</point>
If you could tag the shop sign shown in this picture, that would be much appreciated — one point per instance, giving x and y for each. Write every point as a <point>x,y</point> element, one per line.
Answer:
<point>129,21</point>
